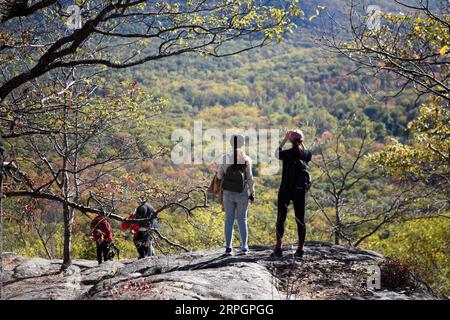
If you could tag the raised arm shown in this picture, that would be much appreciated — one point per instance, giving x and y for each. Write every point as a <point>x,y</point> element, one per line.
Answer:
<point>280,148</point>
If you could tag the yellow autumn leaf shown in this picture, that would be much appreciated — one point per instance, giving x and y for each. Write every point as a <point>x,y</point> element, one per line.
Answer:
<point>443,50</point>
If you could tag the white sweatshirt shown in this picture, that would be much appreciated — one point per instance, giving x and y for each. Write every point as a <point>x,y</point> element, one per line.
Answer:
<point>224,163</point>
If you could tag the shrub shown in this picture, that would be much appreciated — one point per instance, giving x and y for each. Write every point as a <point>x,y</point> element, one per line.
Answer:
<point>396,275</point>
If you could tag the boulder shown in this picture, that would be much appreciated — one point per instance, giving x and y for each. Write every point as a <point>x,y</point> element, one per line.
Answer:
<point>35,267</point>
<point>106,270</point>
<point>326,272</point>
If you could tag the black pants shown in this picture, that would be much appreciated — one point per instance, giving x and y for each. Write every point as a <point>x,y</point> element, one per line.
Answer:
<point>102,250</point>
<point>141,243</point>
<point>298,198</point>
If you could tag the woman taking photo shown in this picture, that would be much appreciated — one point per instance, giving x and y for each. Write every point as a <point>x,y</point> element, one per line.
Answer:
<point>295,182</point>
<point>235,169</point>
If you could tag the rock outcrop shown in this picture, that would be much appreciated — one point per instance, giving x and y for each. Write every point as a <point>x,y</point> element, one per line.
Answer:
<point>326,272</point>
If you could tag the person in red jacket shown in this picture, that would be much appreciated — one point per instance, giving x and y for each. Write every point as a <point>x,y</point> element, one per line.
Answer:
<point>101,233</point>
<point>133,227</point>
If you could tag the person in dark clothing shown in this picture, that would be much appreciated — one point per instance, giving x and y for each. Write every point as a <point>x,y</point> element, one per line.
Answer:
<point>101,233</point>
<point>294,185</point>
<point>102,251</point>
<point>140,230</point>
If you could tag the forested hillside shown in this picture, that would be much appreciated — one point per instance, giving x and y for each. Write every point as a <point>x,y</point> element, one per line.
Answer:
<point>356,125</point>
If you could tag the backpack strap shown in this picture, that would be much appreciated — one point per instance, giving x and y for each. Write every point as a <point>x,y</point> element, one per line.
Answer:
<point>235,150</point>
<point>246,164</point>
<point>235,158</point>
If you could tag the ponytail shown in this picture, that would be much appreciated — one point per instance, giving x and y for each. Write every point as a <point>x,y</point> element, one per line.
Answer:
<point>302,146</point>
<point>299,147</point>
<point>299,152</point>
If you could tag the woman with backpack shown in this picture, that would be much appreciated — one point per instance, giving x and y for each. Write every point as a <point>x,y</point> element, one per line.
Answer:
<point>235,169</point>
<point>295,183</point>
<point>101,233</point>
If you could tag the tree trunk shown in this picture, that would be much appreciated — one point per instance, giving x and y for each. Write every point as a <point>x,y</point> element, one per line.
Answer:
<point>68,224</point>
<point>337,236</point>
<point>1,214</point>
<point>68,212</point>
<point>68,220</point>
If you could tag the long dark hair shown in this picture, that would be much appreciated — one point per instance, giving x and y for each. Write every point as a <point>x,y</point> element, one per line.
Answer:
<point>299,151</point>
<point>236,149</point>
<point>241,166</point>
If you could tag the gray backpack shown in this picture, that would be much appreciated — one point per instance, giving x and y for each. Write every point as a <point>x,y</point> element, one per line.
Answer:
<point>234,179</point>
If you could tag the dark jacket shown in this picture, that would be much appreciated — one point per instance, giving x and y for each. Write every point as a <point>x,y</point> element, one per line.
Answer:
<point>288,157</point>
<point>144,211</point>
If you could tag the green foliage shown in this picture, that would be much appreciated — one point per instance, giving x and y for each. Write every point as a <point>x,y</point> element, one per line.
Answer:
<point>426,156</point>
<point>412,45</point>
<point>204,229</point>
<point>291,80</point>
<point>423,244</point>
